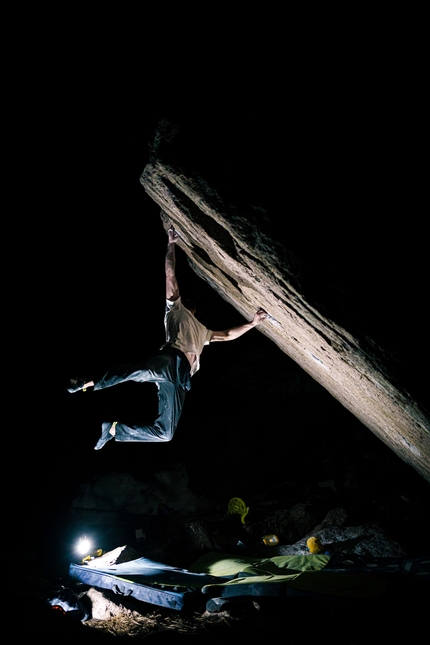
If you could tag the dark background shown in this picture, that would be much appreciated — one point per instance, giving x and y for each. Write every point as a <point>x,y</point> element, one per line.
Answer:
<point>93,248</point>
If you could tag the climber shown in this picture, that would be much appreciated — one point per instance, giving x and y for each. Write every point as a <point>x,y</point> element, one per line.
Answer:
<point>171,368</point>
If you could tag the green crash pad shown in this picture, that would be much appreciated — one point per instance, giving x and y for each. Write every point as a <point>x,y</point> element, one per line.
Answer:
<point>284,576</point>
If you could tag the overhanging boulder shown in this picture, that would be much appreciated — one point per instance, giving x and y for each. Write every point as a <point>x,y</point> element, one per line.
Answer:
<point>236,240</point>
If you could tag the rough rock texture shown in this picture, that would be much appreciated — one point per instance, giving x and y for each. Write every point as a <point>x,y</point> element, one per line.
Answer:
<point>104,607</point>
<point>246,233</point>
<point>368,540</point>
<point>119,492</point>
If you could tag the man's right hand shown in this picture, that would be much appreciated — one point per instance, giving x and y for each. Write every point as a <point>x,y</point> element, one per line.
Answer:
<point>173,235</point>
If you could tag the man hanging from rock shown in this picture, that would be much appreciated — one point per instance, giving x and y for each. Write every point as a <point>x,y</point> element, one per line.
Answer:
<point>171,368</point>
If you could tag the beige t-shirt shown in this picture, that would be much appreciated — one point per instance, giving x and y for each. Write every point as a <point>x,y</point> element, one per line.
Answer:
<point>185,332</point>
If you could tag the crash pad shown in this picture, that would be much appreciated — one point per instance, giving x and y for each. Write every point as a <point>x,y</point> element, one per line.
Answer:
<point>143,579</point>
<point>284,576</point>
<point>227,565</point>
<point>223,575</point>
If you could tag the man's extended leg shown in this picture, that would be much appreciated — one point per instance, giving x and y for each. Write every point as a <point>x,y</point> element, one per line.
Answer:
<point>159,367</point>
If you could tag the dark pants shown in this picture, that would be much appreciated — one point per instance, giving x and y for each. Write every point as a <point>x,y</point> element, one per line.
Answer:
<point>170,371</point>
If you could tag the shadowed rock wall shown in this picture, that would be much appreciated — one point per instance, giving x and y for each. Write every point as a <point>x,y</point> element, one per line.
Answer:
<point>313,261</point>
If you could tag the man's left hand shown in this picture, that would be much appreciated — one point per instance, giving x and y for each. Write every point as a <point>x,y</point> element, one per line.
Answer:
<point>259,316</point>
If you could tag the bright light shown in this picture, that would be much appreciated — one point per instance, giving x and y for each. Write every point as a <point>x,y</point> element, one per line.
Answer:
<point>84,546</point>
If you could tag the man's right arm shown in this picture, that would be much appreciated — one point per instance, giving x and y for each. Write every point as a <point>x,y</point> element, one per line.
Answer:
<point>235,332</point>
<point>172,287</point>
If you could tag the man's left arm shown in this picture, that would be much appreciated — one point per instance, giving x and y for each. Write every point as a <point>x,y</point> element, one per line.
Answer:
<point>235,332</point>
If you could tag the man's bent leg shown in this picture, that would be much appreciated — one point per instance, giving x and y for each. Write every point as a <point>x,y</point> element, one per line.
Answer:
<point>108,433</point>
<point>170,403</point>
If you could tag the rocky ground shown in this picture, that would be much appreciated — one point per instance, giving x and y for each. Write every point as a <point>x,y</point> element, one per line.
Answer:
<point>384,514</point>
